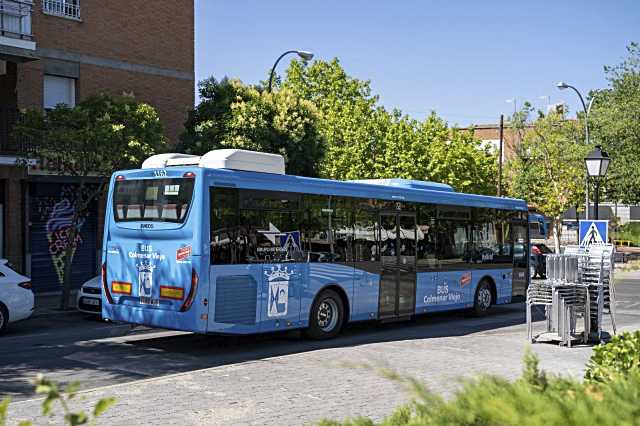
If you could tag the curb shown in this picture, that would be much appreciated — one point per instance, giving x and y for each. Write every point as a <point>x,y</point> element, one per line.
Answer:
<point>47,312</point>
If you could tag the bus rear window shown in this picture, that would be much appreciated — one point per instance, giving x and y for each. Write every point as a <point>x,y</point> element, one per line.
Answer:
<point>152,200</point>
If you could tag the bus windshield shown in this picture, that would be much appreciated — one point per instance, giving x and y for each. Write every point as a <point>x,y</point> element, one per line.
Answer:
<point>155,200</point>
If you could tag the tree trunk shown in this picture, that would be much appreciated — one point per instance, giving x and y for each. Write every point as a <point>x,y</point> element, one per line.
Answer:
<point>80,204</point>
<point>68,260</point>
<point>557,233</point>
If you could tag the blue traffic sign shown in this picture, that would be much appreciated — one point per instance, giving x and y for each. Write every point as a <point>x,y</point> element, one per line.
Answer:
<point>594,232</point>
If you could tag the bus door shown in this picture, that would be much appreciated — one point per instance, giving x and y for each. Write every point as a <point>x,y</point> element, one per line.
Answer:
<point>398,265</point>
<point>520,258</point>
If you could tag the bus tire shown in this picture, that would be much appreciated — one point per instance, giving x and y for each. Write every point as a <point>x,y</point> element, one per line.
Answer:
<point>483,298</point>
<point>327,316</point>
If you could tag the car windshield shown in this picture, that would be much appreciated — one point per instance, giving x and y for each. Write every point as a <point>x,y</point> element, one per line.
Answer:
<point>152,200</point>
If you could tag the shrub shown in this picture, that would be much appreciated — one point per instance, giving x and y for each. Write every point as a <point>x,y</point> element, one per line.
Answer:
<point>619,357</point>
<point>54,394</point>
<point>534,399</point>
<point>629,231</point>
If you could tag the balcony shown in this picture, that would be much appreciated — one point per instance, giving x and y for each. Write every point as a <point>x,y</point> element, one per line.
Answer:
<point>64,8</point>
<point>16,40</point>
<point>10,145</point>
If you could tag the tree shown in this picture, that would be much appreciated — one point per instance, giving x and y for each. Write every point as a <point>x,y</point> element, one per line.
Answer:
<point>548,170</point>
<point>92,140</point>
<point>364,140</point>
<point>615,124</point>
<point>233,115</point>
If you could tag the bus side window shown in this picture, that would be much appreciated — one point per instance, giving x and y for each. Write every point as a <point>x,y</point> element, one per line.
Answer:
<point>365,237</point>
<point>223,213</point>
<point>426,236</point>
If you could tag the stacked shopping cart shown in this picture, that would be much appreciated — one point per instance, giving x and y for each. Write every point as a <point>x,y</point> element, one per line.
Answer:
<point>578,290</point>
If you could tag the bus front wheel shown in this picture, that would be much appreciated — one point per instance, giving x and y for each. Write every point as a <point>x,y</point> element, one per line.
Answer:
<point>327,316</point>
<point>483,298</point>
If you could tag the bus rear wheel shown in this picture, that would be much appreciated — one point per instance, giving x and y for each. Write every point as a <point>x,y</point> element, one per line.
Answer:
<point>483,298</point>
<point>327,316</point>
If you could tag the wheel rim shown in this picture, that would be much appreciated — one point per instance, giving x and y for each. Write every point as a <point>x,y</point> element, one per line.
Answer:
<point>1,319</point>
<point>327,315</point>
<point>484,298</point>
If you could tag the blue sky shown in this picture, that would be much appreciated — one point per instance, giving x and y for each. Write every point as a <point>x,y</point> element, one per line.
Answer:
<point>463,59</point>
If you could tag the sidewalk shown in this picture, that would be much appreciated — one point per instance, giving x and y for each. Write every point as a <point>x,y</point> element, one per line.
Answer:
<point>48,304</point>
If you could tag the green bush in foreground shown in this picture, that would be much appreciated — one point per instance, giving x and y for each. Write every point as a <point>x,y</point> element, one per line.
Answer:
<point>53,394</point>
<point>619,357</point>
<point>534,399</point>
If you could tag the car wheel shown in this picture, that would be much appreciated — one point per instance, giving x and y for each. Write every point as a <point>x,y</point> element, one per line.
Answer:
<point>4,318</point>
<point>327,316</point>
<point>483,298</point>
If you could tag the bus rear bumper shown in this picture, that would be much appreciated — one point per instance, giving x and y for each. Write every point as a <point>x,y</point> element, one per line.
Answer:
<point>157,318</point>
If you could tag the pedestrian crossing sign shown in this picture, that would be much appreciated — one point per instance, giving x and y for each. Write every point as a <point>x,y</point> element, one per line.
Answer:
<point>594,232</point>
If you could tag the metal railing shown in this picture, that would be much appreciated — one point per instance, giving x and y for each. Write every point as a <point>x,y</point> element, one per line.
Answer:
<point>9,143</point>
<point>64,8</point>
<point>15,18</point>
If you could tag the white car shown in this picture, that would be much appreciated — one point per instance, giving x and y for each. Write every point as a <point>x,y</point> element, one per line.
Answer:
<point>16,296</point>
<point>89,298</point>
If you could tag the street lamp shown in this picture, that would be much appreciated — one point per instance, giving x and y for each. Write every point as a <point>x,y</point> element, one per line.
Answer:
<point>597,163</point>
<point>304,55</point>
<point>562,86</point>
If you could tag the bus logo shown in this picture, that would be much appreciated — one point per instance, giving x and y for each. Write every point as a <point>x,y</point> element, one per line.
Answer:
<point>278,278</point>
<point>145,280</point>
<point>183,253</point>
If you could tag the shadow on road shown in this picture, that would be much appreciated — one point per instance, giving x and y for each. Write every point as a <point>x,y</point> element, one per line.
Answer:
<point>101,362</point>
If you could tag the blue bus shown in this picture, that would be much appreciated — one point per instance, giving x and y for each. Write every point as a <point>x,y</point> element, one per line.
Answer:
<point>228,243</point>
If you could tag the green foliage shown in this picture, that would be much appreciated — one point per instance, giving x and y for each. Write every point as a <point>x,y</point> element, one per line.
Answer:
<point>615,124</point>
<point>548,170</point>
<point>629,231</point>
<point>366,141</point>
<point>98,136</point>
<point>53,394</point>
<point>617,358</point>
<point>4,405</point>
<point>328,123</point>
<point>534,399</point>
<point>232,115</point>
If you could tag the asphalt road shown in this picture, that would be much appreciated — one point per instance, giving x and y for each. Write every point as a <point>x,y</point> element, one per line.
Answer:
<point>277,378</point>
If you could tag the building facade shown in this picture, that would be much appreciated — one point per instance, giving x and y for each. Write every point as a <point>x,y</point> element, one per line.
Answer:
<point>63,51</point>
<point>490,135</point>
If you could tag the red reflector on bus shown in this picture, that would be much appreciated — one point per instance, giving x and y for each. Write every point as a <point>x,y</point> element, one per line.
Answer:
<point>168,292</point>
<point>120,177</point>
<point>189,175</point>
<point>104,283</point>
<point>121,287</point>
<point>192,292</point>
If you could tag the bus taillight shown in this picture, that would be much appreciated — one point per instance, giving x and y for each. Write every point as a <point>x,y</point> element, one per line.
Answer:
<point>192,292</point>
<point>189,175</point>
<point>104,283</point>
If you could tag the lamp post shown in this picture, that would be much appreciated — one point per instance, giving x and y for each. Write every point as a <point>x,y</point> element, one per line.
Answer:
<point>562,86</point>
<point>304,55</point>
<point>597,163</point>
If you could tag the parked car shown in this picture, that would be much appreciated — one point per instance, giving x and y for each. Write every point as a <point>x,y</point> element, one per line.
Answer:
<point>538,264</point>
<point>89,298</point>
<point>16,296</point>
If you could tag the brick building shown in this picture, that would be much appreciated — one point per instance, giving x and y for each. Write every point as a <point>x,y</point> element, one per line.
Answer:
<point>490,134</point>
<point>62,51</point>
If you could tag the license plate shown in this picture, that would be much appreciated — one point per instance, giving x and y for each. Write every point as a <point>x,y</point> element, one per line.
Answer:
<point>93,302</point>
<point>149,301</point>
